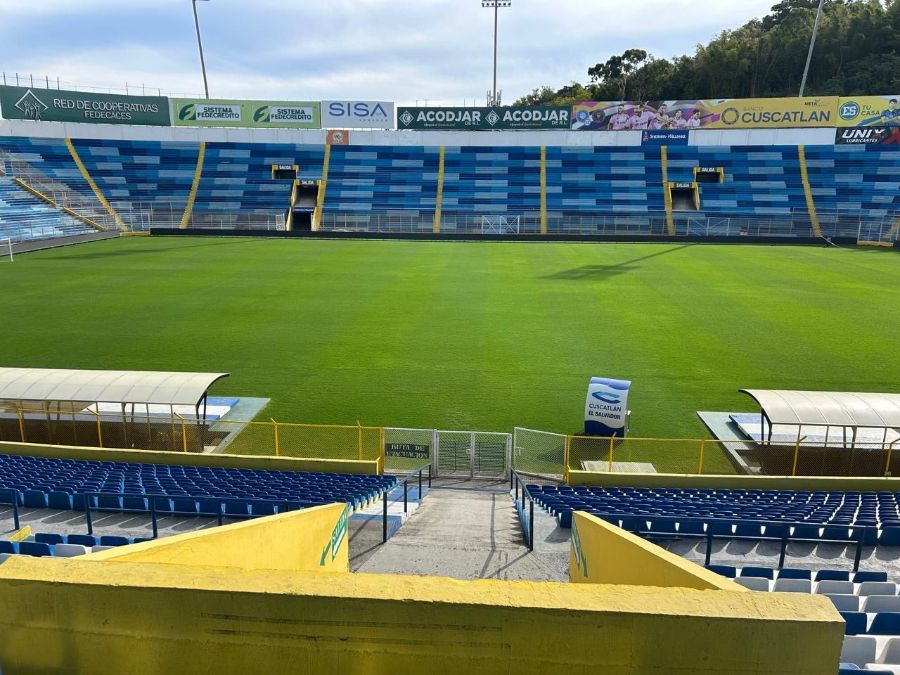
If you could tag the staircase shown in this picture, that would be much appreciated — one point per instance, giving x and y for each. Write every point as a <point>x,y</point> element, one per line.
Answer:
<point>24,217</point>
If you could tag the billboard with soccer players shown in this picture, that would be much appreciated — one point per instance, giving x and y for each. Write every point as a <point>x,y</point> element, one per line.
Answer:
<point>746,113</point>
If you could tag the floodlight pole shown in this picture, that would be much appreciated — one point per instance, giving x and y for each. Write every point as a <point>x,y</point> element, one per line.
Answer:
<point>495,4</point>
<point>200,47</point>
<point>812,45</point>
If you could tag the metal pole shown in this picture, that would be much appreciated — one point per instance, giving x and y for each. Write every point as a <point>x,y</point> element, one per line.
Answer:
<point>812,45</point>
<point>496,17</point>
<point>384,518</point>
<point>200,47</point>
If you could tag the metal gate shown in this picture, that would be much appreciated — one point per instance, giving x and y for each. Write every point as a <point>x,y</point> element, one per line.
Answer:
<point>481,454</point>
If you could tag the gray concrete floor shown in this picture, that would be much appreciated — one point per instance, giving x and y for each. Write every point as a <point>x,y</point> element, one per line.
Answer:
<point>466,529</point>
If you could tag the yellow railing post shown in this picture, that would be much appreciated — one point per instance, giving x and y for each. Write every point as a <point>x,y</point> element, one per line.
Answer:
<point>611,446</point>
<point>21,423</point>
<point>887,464</point>
<point>566,448</point>
<point>184,443</point>
<point>797,455</point>
<point>359,439</point>
<point>99,430</point>
<point>277,446</point>
<point>702,449</point>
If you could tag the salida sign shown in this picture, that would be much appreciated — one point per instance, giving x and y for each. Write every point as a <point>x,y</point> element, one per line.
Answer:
<point>606,407</point>
<point>484,119</point>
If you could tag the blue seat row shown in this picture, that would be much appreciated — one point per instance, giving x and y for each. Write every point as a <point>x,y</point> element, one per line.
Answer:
<point>751,508</point>
<point>732,572</point>
<point>62,484</point>
<point>44,543</point>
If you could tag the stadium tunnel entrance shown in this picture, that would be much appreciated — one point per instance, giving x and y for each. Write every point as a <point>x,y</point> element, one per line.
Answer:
<point>304,199</point>
<point>684,196</point>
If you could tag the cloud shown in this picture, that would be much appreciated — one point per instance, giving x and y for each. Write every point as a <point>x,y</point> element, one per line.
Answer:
<point>397,50</point>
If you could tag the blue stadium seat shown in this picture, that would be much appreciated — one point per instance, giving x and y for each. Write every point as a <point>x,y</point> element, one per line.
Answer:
<point>833,575</point>
<point>885,623</point>
<point>35,548</point>
<point>789,573</point>
<point>725,570</point>
<point>9,546</point>
<point>113,540</point>
<point>860,577</point>
<point>35,499</point>
<point>856,622</point>
<point>763,572</point>
<point>49,538</point>
<point>81,539</point>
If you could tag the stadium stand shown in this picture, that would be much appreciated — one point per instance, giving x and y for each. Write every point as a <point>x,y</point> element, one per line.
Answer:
<point>186,490</point>
<point>867,602</point>
<point>763,183</point>
<point>24,217</point>
<point>53,545</point>
<point>739,513</point>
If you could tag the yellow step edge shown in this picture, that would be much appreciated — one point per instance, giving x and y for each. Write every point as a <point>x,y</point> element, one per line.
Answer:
<point>189,206</point>
<point>96,189</point>
<point>323,183</point>
<point>807,191</point>
<point>439,197</point>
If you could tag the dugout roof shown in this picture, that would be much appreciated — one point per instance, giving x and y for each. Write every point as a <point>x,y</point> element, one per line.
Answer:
<point>828,408</point>
<point>46,385</point>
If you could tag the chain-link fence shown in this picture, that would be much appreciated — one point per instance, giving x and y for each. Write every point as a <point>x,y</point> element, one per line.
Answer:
<point>540,453</point>
<point>408,449</point>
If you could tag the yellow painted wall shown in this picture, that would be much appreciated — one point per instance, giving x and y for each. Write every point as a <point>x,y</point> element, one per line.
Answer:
<point>312,540</point>
<point>193,459</point>
<point>78,615</point>
<point>601,553</point>
<point>733,481</point>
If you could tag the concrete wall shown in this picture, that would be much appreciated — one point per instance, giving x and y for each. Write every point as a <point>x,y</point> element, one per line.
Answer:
<point>603,554</point>
<point>79,615</point>
<point>312,540</point>
<point>192,459</point>
<point>733,481</point>
<point>410,138</point>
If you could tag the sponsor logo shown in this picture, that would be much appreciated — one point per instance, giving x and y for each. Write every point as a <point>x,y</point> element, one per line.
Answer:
<point>337,537</point>
<point>849,110</point>
<point>187,113</point>
<point>493,118</point>
<point>31,106</point>
<point>730,116</point>
<point>606,397</point>
<point>580,560</point>
<point>358,109</point>
<point>261,114</point>
<point>863,136</point>
<point>407,118</point>
<point>288,113</point>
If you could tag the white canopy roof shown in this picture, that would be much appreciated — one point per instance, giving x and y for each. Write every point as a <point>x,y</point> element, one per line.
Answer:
<point>828,408</point>
<point>105,386</point>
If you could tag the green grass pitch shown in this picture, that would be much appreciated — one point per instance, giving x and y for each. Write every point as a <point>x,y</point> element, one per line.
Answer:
<point>464,335</point>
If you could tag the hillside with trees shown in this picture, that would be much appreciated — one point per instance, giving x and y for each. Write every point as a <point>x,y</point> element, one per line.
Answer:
<point>857,52</point>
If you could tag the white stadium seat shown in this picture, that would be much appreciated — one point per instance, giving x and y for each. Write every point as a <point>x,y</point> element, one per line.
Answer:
<point>858,649</point>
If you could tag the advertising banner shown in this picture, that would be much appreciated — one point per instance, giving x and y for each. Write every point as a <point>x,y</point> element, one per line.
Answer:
<point>60,105</point>
<point>868,136</point>
<point>357,115</point>
<point>606,408</point>
<point>226,113</point>
<point>747,113</point>
<point>867,111</point>
<point>337,137</point>
<point>484,119</point>
<point>665,137</point>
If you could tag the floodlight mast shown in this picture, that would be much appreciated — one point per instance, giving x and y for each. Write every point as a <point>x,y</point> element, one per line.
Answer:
<point>812,45</point>
<point>200,47</point>
<point>495,5</point>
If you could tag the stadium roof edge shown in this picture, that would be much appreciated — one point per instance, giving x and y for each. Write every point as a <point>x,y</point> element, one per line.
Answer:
<point>105,386</point>
<point>826,408</point>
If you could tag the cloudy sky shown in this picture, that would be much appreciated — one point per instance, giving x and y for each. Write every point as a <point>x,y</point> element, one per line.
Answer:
<point>401,50</point>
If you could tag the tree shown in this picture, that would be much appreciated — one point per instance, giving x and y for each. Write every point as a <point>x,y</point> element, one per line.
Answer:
<point>617,69</point>
<point>857,52</point>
